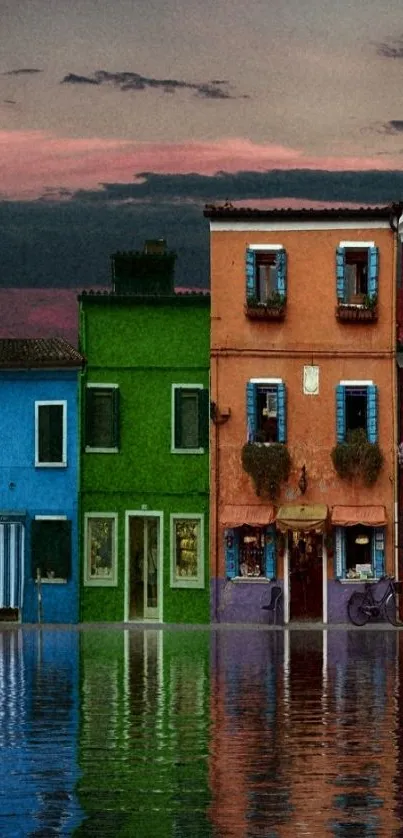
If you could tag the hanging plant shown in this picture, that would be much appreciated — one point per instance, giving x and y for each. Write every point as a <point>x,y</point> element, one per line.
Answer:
<point>356,457</point>
<point>267,465</point>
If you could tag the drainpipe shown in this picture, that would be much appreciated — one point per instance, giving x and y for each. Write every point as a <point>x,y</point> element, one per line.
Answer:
<point>396,224</point>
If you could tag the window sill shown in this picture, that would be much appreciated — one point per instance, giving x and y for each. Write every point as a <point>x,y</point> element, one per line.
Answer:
<point>355,312</point>
<point>50,465</point>
<point>188,450</point>
<point>262,312</point>
<point>99,582</point>
<point>55,581</point>
<point>89,450</point>
<point>254,579</point>
<point>357,581</point>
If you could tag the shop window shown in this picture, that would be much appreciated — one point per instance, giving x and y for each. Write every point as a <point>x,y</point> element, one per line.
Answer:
<point>102,417</point>
<point>187,551</point>
<point>357,407</point>
<point>51,433</point>
<point>100,548</point>
<point>359,552</point>
<point>250,552</point>
<point>357,266</point>
<point>51,548</point>
<point>266,272</point>
<point>190,419</point>
<point>266,411</point>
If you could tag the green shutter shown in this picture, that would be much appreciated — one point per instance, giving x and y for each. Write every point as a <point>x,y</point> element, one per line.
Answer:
<point>178,417</point>
<point>89,413</point>
<point>51,548</point>
<point>116,418</point>
<point>204,418</point>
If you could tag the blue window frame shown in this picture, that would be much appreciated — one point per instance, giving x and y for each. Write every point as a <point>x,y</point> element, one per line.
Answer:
<point>251,552</point>
<point>357,271</point>
<point>266,411</point>
<point>359,546</point>
<point>357,407</point>
<point>266,273</point>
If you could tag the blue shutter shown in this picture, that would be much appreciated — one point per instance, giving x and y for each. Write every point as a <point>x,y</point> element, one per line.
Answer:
<point>281,413</point>
<point>281,265</point>
<point>340,274</point>
<point>231,553</point>
<point>270,552</point>
<point>372,413</point>
<point>340,413</point>
<point>250,271</point>
<point>373,267</point>
<point>378,551</point>
<point>251,411</point>
<point>340,553</point>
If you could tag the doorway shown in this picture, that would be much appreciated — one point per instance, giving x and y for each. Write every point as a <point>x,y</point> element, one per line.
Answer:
<point>144,594</point>
<point>305,550</point>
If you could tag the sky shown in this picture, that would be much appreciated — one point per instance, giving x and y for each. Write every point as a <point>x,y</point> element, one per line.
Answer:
<point>119,121</point>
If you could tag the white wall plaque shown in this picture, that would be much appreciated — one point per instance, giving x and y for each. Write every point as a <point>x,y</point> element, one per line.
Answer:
<point>311,381</point>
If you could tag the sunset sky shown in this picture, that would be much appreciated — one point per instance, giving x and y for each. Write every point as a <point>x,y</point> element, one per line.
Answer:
<point>119,121</point>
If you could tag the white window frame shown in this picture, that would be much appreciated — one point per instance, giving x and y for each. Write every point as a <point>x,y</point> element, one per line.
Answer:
<point>55,580</point>
<point>100,385</point>
<point>173,389</point>
<point>100,582</point>
<point>197,582</point>
<point>46,403</point>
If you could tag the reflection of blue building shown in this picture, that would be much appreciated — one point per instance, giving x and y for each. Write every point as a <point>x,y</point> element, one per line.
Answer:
<point>39,480</point>
<point>38,733</point>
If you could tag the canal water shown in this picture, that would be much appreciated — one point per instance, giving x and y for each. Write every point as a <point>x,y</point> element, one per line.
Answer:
<point>220,732</point>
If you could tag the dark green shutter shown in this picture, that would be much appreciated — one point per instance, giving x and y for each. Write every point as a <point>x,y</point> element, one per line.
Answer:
<point>116,417</point>
<point>51,548</point>
<point>178,417</point>
<point>89,412</point>
<point>204,418</point>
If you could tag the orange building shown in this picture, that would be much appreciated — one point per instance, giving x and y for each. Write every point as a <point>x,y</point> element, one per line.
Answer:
<point>303,390</point>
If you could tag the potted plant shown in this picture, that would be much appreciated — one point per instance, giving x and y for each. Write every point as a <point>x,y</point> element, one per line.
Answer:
<point>272,309</point>
<point>356,457</point>
<point>267,465</point>
<point>366,310</point>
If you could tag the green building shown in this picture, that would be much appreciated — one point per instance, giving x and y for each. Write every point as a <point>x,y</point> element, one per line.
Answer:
<point>144,428</point>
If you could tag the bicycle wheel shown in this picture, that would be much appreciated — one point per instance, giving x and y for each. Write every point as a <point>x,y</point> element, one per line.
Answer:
<point>390,609</point>
<point>355,610</point>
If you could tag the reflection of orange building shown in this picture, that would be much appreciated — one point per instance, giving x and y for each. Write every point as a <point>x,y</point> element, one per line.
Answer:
<point>302,356</point>
<point>303,737</point>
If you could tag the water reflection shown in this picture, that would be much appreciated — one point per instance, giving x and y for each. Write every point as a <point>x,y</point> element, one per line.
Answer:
<point>221,733</point>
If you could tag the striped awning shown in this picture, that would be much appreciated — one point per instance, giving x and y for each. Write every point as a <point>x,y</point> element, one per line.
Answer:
<point>11,564</point>
<point>253,516</point>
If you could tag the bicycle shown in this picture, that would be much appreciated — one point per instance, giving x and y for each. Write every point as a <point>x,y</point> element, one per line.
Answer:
<point>363,606</point>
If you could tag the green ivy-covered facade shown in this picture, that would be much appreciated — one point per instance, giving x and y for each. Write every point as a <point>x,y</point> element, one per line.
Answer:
<point>141,492</point>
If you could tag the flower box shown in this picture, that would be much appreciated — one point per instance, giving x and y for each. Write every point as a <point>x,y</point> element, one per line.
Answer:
<point>356,313</point>
<point>262,312</point>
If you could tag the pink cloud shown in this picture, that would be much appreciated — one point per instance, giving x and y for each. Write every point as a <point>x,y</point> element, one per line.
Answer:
<point>31,162</point>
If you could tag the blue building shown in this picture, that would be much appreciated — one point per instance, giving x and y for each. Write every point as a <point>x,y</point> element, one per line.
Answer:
<point>39,467</point>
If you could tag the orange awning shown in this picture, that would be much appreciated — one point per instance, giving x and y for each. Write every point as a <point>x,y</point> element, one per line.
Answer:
<point>308,516</point>
<point>350,516</point>
<point>254,516</point>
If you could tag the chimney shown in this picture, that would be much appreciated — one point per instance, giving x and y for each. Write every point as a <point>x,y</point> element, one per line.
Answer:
<point>149,272</point>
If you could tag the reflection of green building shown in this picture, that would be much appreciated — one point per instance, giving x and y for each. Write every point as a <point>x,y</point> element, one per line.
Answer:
<point>144,733</point>
<point>145,429</point>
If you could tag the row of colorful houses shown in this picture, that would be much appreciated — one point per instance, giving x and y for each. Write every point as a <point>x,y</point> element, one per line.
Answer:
<point>202,452</point>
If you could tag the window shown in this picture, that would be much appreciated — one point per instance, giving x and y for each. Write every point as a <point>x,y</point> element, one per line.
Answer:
<point>250,552</point>
<point>50,434</point>
<point>187,551</point>
<point>360,552</point>
<point>190,418</point>
<point>100,548</point>
<point>266,272</point>
<point>356,407</point>
<point>357,265</point>
<point>51,548</point>
<point>266,410</point>
<point>102,417</point>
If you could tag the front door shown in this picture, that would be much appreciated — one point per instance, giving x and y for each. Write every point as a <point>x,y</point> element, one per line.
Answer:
<point>11,567</point>
<point>144,581</point>
<point>306,575</point>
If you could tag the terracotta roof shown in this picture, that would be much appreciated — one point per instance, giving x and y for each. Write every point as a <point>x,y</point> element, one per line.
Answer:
<point>313,213</point>
<point>30,353</point>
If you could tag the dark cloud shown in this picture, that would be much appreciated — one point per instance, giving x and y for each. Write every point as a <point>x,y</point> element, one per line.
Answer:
<point>394,126</point>
<point>214,89</point>
<point>65,240</point>
<point>22,71</point>
<point>392,48</point>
